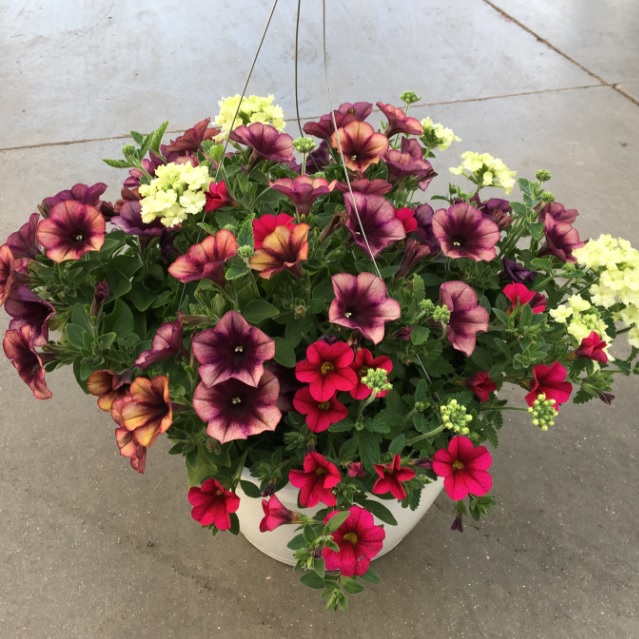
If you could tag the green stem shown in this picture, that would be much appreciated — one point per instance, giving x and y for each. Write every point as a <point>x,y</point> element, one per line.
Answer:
<point>430,433</point>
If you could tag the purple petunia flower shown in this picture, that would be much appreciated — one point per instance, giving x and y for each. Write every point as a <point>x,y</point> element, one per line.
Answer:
<point>234,410</point>
<point>424,232</point>
<point>232,350</point>
<point>362,304</point>
<point>467,317</point>
<point>82,193</point>
<point>561,239</point>
<point>166,342</point>
<point>189,143</point>
<point>558,212</point>
<point>408,162</point>
<point>345,114</point>
<point>381,227</point>
<point>398,121</point>
<point>367,187</point>
<point>463,231</point>
<point>23,242</point>
<point>19,347</point>
<point>516,272</point>
<point>27,309</point>
<point>303,190</point>
<point>414,253</point>
<point>266,141</point>
<point>129,218</point>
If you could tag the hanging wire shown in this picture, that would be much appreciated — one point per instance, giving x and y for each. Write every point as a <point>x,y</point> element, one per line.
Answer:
<point>297,48</point>
<point>339,143</point>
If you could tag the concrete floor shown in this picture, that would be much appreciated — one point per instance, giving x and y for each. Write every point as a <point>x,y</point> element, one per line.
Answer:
<point>89,549</point>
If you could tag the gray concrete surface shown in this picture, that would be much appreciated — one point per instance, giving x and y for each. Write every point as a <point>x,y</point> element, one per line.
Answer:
<point>89,549</point>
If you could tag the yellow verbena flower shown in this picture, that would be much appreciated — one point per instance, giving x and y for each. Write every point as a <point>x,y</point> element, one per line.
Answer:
<point>485,170</point>
<point>438,135</point>
<point>254,108</point>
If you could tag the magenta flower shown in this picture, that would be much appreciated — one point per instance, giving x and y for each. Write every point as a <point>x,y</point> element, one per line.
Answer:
<point>463,467</point>
<point>27,309</point>
<point>467,317</point>
<point>303,190</point>
<point>217,196</point>
<point>206,259</point>
<point>463,231</point>
<point>549,380</point>
<point>71,230</point>
<point>232,350</point>
<point>407,217</point>
<point>320,416</point>
<point>266,224</point>
<point>377,215</point>
<point>391,478</point>
<point>359,540</point>
<point>414,253</point>
<point>327,369</point>
<point>282,250</point>
<point>519,294</point>
<point>234,410</point>
<point>496,209</point>
<point>360,144</point>
<point>213,504</point>
<point>266,141</point>
<point>481,384</point>
<point>364,361</point>
<point>558,212</point>
<point>345,114</point>
<point>23,242</point>
<point>166,343</point>
<point>408,162</point>
<point>19,347</point>
<point>561,240</point>
<point>592,347</point>
<point>316,481</point>
<point>362,304</point>
<point>276,514</point>
<point>398,121</point>
<point>81,193</point>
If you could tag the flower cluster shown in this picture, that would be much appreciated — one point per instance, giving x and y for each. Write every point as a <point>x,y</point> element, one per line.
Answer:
<point>313,312</point>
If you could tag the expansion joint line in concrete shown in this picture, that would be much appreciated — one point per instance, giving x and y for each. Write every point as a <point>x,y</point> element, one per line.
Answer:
<point>564,55</point>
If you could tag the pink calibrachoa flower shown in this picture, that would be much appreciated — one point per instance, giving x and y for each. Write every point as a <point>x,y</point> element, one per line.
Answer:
<point>592,347</point>
<point>217,196</point>
<point>520,294</point>
<point>407,218</point>
<point>463,467</point>
<point>345,114</point>
<point>559,212</point>
<point>129,448</point>
<point>19,347</point>
<point>266,224</point>
<point>81,193</point>
<point>355,469</point>
<point>319,415</point>
<point>561,240</point>
<point>27,309</point>
<point>108,386</point>
<point>398,121</point>
<point>367,187</point>
<point>377,216</point>
<point>363,362</point>
<point>282,250</point>
<point>206,259</point>
<point>391,478</point>
<point>234,410</point>
<point>362,304</point>
<point>23,242</point>
<point>8,266</point>
<point>276,514</point>
<point>166,343</point>
<point>147,410</point>
<point>360,144</point>
<point>266,141</point>
<point>232,350</point>
<point>359,540</point>
<point>463,231</point>
<point>71,230</point>
<point>408,162</point>
<point>213,504</point>
<point>414,253</point>
<point>481,384</point>
<point>190,141</point>
<point>316,481</point>
<point>549,380</point>
<point>303,190</point>
<point>467,316</point>
<point>327,368</point>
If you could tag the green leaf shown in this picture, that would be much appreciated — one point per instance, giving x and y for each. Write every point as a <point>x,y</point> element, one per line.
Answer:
<point>347,449</point>
<point>397,445</point>
<point>481,357</point>
<point>380,511</point>
<point>419,291</point>
<point>312,580</point>
<point>245,233</point>
<point>211,230</point>
<point>155,138</point>
<point>370,576</point>
<point>257,310</point>
<point>119,283</point>
<point>118,164</point>
<point>419,335</point>
<point>320,568</point>
<point>119,320</point>
<point>225,218</point>
<point>421,392</point>
<point>75,335</point>
<point>235,524</point>
<point>284,352</point>
<point>297,542</point>
<point>236,271</point>
<point>336,521</point>
<point>351,586</point>
<point>369,448</point>
<point>250,489</point>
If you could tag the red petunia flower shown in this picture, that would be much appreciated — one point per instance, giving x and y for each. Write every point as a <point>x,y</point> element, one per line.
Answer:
<point>359,540</point>
<point>276,514</point>
<point>463,467</point>
<point>519,294</point>
<point>327,369</point>
<point>391,478</point>
<point>592,347</point>
<point>319,415</point>
<point>481,385</point>
<point>550,380</point>
<point>316,481</point>
<point>266,224</point>
<point>213,504</point>
<point>217,196</point>
<point>407,217</point>
<point>363,362</point>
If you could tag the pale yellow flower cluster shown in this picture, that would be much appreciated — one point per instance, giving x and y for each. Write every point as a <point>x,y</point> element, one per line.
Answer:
<point>617,264</point>
<point>254,108</point>
<point>581,318</point>
<point>485,170</point>
<point>441,136</point>
<point>177,190</point>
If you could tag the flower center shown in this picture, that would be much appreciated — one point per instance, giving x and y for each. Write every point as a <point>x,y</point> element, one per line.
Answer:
<point>236,400</point>
<point>239,349</point>
<point>347,314</point>
<point>320,471</point>
<point>351,537</point>
<point>78,237</point>
<point>363,371</point>
<point>456,243</point>
<point>324,405</point>
<point>458,465</point>
<point>326,367</point>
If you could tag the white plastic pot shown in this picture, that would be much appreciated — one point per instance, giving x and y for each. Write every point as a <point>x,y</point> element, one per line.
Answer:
<point>273,543</point>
